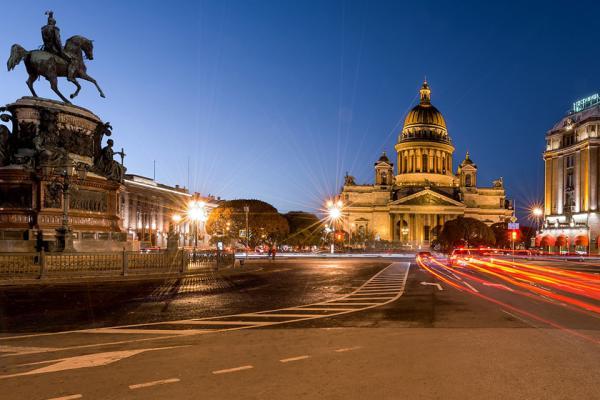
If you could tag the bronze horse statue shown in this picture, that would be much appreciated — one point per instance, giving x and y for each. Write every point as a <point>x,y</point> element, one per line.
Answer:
<point>51,66</point>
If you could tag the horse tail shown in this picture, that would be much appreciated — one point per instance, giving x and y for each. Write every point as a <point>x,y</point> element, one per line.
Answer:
<point>17,53</point>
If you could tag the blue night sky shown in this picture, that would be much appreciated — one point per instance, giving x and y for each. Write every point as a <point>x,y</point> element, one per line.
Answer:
<point>276,100</point>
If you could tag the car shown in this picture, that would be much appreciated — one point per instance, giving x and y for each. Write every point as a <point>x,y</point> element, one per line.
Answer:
<point>424,254</point>
<point>462,256</point>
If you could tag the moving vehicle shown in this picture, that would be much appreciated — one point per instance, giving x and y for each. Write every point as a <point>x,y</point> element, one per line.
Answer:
<point>462,256</point>
<point>424,254</point>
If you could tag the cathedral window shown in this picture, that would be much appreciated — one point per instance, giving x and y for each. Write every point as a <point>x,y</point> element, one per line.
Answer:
<point>468,180</point>
<point>424,163</point>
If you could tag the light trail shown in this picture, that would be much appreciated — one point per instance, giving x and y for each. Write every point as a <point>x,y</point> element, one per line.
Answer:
<point>505,305</point>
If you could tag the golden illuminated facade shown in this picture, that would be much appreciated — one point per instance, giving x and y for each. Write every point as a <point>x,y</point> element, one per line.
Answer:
<point>572,163</point>
<point>408,206</point>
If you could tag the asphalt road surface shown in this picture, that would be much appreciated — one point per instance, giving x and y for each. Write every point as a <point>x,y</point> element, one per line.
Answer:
<point>306,329</point>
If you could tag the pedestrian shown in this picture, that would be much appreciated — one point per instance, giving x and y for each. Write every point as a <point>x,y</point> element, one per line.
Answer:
<point>273,251</point>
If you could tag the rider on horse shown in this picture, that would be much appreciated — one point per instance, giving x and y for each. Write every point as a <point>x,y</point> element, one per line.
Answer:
<point>51,38</point>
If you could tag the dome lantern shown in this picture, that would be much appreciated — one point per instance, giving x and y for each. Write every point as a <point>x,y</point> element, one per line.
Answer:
<point>425,93</point>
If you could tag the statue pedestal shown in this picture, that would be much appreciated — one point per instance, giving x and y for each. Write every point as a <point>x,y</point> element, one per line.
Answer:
<point>47,137</point>
<point>64,240</point>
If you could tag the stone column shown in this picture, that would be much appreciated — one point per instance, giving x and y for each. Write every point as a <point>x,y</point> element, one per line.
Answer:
<point>593,151</point>
<point>577,179</point>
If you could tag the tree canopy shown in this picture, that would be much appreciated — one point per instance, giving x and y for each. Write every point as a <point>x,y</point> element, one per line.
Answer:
<point>306,229</point>
<point>465,232</point>
<point>227,223</point>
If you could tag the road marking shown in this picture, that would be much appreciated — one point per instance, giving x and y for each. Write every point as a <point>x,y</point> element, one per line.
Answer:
<point>86,361</point>
<point>226,371</point>
<point>286,360</point>
<point>345,349</point>
<point>182,332</point>
<point>433,284</point>
<point>217,322</point>
<point>273,315</point>
<point>323,309</point>
<point>153,383</point>
<point>519,318</point>
<point>22,349</point>
<point>162,334</point>
<point>69,397</point>
<point>467,284</point>
<point>497,285</point>
<point>351,304</point>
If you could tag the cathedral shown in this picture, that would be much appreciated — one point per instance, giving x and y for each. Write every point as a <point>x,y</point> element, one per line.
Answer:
<point>409,206</point>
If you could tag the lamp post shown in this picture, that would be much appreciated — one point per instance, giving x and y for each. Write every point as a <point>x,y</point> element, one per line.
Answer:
<point>334,211</point>
<point>247,211</point>
<point>63,233</point>
<point>196,213</point>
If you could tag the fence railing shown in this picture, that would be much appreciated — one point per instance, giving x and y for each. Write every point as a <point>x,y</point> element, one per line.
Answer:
<point>63,265</point>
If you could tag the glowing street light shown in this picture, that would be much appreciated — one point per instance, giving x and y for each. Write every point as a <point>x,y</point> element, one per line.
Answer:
<point>196,213</point>
<point>537,212</point>
<point>334,211</point>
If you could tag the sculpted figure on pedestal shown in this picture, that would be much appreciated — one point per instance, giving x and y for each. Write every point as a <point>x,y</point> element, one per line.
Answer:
<point>107,166</point>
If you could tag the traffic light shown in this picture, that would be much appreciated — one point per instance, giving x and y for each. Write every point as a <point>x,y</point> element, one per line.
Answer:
<point>513,235</point>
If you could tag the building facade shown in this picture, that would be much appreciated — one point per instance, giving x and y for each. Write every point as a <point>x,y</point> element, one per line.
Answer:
<point>571,166</point>
<point>407,205</point>
<point>149,210</point>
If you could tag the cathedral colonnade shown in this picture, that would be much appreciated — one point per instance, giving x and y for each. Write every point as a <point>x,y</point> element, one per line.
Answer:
<point>411,228</point>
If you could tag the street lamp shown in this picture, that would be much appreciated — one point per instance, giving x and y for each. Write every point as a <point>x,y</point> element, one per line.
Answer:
<point>63,233</point>
<point>334,211</point>
<point>246,212</point>
<point>196,213</point>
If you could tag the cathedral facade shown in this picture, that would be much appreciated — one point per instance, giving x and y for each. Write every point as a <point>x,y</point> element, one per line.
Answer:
<point>409,204</point>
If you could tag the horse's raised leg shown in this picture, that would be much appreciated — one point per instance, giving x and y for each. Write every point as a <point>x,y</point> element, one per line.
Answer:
<point>54,86</point>
<point>74,81</point>
<point>30,81</point>
<point>88,78</point>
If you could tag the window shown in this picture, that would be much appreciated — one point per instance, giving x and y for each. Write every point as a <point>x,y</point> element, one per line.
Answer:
<point>468,180</point>
<point>426,232</point>
<point>424,166</point>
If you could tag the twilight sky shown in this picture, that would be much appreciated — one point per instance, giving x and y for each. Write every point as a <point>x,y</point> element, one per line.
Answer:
<point>276,100</point>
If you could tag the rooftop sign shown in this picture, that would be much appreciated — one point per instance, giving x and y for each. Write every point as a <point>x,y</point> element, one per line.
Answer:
<point>586,102</point>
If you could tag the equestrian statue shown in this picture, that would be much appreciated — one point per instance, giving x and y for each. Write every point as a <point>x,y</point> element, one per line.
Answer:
<point>53,60</point>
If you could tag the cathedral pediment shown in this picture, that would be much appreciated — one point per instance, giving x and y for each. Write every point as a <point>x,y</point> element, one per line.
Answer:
<point>427,198</point>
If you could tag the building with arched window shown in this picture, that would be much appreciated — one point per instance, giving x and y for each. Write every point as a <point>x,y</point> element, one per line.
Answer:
<point>409,204</point>
<point>571,197</point>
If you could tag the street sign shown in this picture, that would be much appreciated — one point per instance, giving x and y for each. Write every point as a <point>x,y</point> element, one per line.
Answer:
<point>242,233</point>
<point>513,225</point>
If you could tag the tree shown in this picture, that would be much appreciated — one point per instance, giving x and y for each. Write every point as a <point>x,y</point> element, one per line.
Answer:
<point>306,229</point>
<point>500,230</point>
<point>228,223</point>
<point>465,232</point>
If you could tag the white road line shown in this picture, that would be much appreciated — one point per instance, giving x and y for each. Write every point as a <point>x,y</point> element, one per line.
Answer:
<point>168,334</point>
<point>69,397</point>
<point>323,309</point>
<point>273,315</point>
<point>467,284</point>
<point>351,304</point>
<point>497,285</point>
<point>217,322</point>
<point>345,349</point>
<point>286,360</point>
<point>371,298</point>
<point>148,331</point>
<point>519,318</point>
<point>226,371</point>
<point>153,383</point>
<point>433,284</point>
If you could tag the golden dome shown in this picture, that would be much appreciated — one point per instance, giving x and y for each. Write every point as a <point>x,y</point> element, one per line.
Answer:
<point>424,121</point>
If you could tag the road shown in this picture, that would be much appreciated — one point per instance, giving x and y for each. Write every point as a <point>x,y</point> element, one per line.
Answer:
<point>338,329</point>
